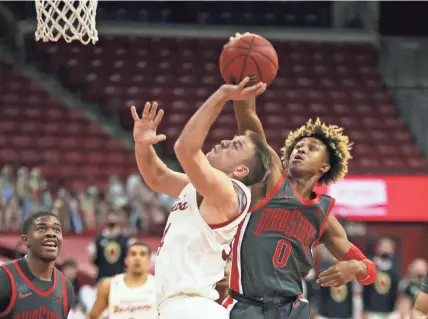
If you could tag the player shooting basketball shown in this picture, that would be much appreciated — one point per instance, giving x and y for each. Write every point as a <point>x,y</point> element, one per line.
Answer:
<point>288,218</point>
<point>212,200</point>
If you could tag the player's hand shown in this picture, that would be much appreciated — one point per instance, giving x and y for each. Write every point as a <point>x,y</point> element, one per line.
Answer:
<point>338,275</point>
<point>240,92</point>
<point>237,35</point>
<point>145,128</point>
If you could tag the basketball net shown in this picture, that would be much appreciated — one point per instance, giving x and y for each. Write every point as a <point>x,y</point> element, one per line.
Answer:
<point>68,19</point>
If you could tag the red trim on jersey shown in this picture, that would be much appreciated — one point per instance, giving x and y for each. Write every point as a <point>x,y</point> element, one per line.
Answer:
<point>13,296</point>
<point>227,302</point>
<point>31,285</point>
<point>216,226</point>
<point>64,294</point>
<point>305,201</point>
<point>324,222</point>
<point>234,271</point>
<point>269,195</point>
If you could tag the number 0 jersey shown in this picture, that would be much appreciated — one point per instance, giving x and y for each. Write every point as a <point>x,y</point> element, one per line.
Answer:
<point>272,250</point>
<point>192,254</point>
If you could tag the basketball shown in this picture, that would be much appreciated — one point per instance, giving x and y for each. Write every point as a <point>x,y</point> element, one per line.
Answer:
<point>249,55</point>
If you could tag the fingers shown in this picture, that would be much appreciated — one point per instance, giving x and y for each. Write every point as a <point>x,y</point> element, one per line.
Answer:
<point>255,90</point>
<point>153,111</point>
<point>146,110</point>
<point>327,272</point>
<point>332,283</point>
<point>160,138</point>
<point>134,113</point>
<point>243,83</point>
<point>158,118</point>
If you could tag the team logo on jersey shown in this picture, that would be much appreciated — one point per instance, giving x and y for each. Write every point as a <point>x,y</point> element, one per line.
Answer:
<point>339,294</point>
<point>383,283</point>
<point>112,252</point>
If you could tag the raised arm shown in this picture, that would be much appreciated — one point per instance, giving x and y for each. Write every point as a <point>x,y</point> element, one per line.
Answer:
<point>101,303</point>
<point>156,174</point>
<point>352,263</point>
<point>247,119</point>
<point>214,185</point>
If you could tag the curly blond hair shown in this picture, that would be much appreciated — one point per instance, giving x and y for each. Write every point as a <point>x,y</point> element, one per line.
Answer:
<point>338,146</point>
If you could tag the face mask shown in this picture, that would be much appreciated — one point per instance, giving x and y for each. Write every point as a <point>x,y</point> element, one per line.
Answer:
<point>385,255</point>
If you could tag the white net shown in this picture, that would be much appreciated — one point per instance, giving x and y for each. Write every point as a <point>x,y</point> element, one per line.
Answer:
<point>68,19</point>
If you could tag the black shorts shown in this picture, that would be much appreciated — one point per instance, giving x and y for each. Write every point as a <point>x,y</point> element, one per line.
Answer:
<point>242,308</point>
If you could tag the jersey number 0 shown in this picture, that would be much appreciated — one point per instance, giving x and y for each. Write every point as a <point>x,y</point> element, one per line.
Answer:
<point>282,253</point>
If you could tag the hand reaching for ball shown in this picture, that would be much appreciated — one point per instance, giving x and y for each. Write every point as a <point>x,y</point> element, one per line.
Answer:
<point>237,35</point>
<point>242,93</point>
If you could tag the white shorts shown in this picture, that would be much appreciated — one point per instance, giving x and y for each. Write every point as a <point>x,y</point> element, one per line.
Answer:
<point>185,307</point>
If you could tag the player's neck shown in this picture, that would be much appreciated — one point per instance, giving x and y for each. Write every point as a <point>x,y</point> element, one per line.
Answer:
<point>135,280</point>
<point>304,185</point>
<point>39,268</point>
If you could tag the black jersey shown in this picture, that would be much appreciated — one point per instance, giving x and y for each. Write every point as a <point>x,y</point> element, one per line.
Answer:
<point>272,250</point>
<point>23,296</point>
<point>336,302</point>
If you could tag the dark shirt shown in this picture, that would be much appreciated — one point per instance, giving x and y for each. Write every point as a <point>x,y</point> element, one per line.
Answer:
<point>43,285</point>
<point>424,286</point>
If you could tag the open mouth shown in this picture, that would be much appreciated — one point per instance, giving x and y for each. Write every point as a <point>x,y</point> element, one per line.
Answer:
<point>298,157</point>
<point>50,244</point>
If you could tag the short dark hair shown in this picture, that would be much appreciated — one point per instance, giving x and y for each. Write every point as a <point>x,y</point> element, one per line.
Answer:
<point>68,263</point>
<point>139,243</point>
<point>29,221</point>
<point>260,163</point>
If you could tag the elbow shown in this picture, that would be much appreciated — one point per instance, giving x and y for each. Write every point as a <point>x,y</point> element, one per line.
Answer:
<point>182,149</point>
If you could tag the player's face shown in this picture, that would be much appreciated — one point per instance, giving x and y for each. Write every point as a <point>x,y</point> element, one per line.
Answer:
<point>138,260</point>
<point>309,157</point>
<point>231,156</point>
<point>44,238</point>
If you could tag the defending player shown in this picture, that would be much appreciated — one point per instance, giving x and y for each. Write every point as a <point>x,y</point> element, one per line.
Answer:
<point>31,287</point>
<point>132,294</point>
<point>420,309</point>
<point>212,200</point>
<point>273,246</point>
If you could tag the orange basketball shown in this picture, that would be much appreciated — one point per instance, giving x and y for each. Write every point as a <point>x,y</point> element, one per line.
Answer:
<point>249,55</point>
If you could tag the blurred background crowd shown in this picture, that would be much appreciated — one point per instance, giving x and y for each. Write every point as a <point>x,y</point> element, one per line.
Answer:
<point>66,141</point>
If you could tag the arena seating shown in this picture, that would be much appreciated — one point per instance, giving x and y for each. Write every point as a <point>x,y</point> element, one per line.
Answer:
<point>337,82</point>
<point>37,130</point>
<point>269,13</point>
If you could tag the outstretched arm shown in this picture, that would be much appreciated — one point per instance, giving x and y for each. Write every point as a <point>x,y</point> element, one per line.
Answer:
<point>156,174</point>
<point>201,174</point>
<point>101,303</point>
<point>353,262</point>
<point>420,309</point>
<point>246,116</point>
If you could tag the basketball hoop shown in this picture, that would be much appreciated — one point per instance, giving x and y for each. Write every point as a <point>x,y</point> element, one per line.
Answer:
<point>68,19</point>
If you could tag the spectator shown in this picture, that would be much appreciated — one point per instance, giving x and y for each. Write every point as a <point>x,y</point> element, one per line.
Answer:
<point>416,273</point>
<point>69,269</point>
<point>380,297</point>
<point>108,250</point>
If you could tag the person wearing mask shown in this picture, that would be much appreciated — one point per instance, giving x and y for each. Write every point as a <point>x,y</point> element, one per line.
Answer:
<point>380,298</point>
<point>417,271</point>
<point>108,250</point>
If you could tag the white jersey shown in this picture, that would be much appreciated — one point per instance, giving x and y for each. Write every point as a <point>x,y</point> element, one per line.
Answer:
<point>132,302</point>
<point>192,254</point>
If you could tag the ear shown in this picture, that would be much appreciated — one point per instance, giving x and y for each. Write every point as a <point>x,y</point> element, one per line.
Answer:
<point>240,172</point>
<point>25,240</point>
<point>325,168</point>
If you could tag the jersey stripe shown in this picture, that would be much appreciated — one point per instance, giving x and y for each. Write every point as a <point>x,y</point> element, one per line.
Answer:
<point>13,292</point>
<point>324,222</point>
<point>235,272</point>
<point>270,195</point>
<point>31,285</point>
